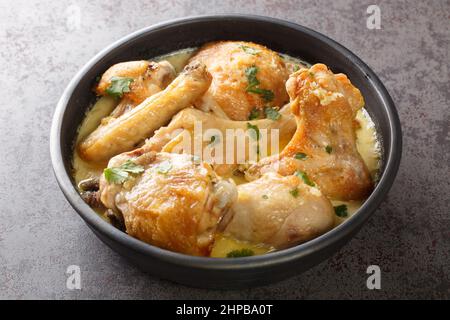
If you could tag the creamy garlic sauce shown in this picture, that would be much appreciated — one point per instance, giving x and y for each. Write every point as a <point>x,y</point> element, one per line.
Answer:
<point>367,144</point>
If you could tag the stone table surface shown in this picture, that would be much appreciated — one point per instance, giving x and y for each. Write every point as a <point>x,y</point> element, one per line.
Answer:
<point>43,44</point>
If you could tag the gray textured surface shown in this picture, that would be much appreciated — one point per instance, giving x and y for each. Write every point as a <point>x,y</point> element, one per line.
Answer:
<point>40,234</point>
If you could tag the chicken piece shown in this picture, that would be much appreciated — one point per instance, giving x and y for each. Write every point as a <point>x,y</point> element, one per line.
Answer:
<point>171,138</point>
<point>233,64</point>
<point>279,211</point>
<point>175,203</point>
<point>324,144</point>
<point>125,132</point>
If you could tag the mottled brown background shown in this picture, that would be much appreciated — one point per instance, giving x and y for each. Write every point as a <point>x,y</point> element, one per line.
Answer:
<point>40,234</point>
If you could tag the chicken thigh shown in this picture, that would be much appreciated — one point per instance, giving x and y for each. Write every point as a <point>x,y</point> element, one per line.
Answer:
<point>279,212</point>
<point>168,200</point>
<point>246,76</point>
<point>125,132</point>
<point>324,144</point>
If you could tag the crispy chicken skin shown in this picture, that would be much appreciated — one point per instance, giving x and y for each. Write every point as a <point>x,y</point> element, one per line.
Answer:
<point>148,78</point>
<point>279,211</point>
<point>325,105</point>
<point>178,208</point>
<point>125,132</point>
<point>227,61</point>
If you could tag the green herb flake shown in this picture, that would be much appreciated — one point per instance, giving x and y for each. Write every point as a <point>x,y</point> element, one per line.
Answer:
<point>253,82</point>
<point>115,175</point>
<point>305,178</point>
<point>254,114</point>
<point>253,131</point>
<point>250,73</point>
<point>272,113</point>
<point>294,192</point>
<point>265,197</point>
<point>296,68</point>
<point>265,94</point>
<point>119,86</point>
<point>329,149</point>
<point>249,50</point>
<point>240,253</point>
<point>121,174</point>
<point>164,167</point>
<point>300,156</point>
<point>131,167</point>
<point>341,211</point>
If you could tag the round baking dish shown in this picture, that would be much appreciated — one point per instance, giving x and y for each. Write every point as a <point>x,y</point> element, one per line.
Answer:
<point>278,35</point>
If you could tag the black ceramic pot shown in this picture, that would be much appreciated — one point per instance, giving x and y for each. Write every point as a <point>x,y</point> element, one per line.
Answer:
<point>278,35</point>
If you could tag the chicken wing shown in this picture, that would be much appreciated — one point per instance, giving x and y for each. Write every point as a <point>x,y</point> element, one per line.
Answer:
<point>173,202</point>
<point>279,211</point>
<point>245,76</point>
<point>125,132</point>
<point>324,144</point>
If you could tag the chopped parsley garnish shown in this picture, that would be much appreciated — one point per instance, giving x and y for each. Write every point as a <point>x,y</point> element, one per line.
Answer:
<point>254,114</point>
<point>249,50</point>
<point>294,192</point>
<point>341,211</point>
<point>305,178</point>
<point>164,167</point>
<point>240,253</point>
<point>253,131</point>
<point>272,113</point>
<point>328,149</point>
<point>265,196</point>
<point>300,156</point>
<point>121,174</point>
<point>253,83</point>
<point>250,73</point>
<point>119,86</point>
<point>296,68</point>
<point>267,95</point>
<point>214,139</point>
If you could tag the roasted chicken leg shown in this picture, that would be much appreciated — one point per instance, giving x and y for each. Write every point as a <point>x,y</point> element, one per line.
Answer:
<point>324,144</point>
<point>279,212</point>
<point>125,132</point>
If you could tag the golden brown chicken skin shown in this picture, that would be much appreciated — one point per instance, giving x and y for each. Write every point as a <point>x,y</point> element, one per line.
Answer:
<point>175,203</point>
<point>324,144</point>
<point>245,76</point>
